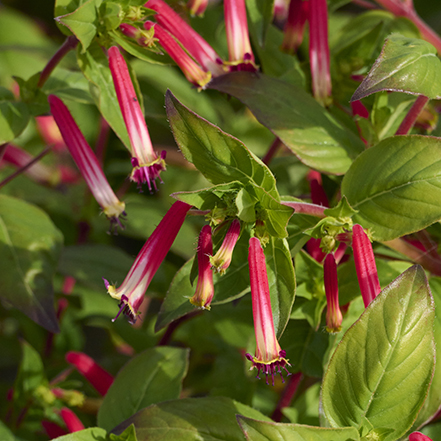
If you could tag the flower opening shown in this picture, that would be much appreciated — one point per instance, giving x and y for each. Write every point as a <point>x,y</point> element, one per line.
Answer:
<point>131,292</point>
<point>147,166</point>
<point>269,357</point>
<point>204,288</point>
<point>87,162</point>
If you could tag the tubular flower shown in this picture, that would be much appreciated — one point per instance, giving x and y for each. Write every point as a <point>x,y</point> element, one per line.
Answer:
<point>196,46</point>
<point>319,51</point>
<point>295,25</point>
<point>222,259</point>
<point>197,7</point>
<point>365,265</point>
<point>98,377</point>
<point>48,129</point>
<point>131,292</point>
<point>239,47</point>
<point>269,356</point>
<point>189,67</point>
<point>86,161</point>
<point>204,289</point>
<point>418,436</point>
<point>146,164</point>
<point>72,422</point>
<point>333,313</point>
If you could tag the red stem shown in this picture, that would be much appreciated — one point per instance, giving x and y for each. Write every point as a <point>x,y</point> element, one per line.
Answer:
<point>412,115</point>
<point>69,44</point>
<point>287,396</point>
<point>269,155</point>
<point>306,208</point>
<point>22,169</point>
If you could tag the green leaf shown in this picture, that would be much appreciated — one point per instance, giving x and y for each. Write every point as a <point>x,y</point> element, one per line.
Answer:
<point>396,186</point>
<point>153,376</point>
<point>220,157</point>
<point>30,246</point>
<point>269,431</point>
<point>128,435</point>
<point>189,419</point>
<point>408,65</point>
<point>95,68</point>
<point>303,125</point>
<point>5,433</point>
<point>14,118</point>
<point>282,282</point>
<point>382,369</point>
<point>91,434</point>
<point>342,211</point>
<point>433,402</point>
<point>260,13</point>
<point>83,22</point>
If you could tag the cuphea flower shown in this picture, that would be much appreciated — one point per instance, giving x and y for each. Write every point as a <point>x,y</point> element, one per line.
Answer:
<point>222,259</point>
<point>131,292</point>
<point>147,166</point>
<point>294,26</point>
<point>319,51</point>
<point>192,71</point>
<point>241,56</point>
<point>269,357</point>
<point>97,376</point>
<point>196,46</point>
<point>418,436</point>
<point>365,265</point>
<point>204,288</point>
<point>86,161</point>
<point>197,7</point>
<point>72,422</point>
<point>333,313</point>
<point>50,133</point>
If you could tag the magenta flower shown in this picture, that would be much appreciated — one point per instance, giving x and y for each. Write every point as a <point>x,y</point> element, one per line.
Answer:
<point>196,46</point>
<point>197,7</point>
<point>50,133</point>
<point>53,430</point>
<point>97,376</point>
<point>86,161</point>
<point>365,265</point>
<point>241,56</point>
<point>295,25</point>
<point>131,292</point>
<point>269,356</point>
<point>146,164</point>
<point>333,313</point>
<point>72,422</point>
<point>418,436</point>
<point>204,288</point>
<point>222,259</point>
<point>319,51</point>
<point>192,71</point>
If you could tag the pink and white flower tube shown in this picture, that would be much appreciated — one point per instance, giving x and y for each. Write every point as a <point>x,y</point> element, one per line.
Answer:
<point>269,356</point>
<point>241,56</point>
<point>204,288</point>
<point>192,71</point>
<point>131,292</point>
<point>334,316</point>
<point>365,265</point>
<point>196,46</point>
<point>197,7</point>
<point>86,161</point>
<point>147,166</point>
<point>295,25</point>
<point>222,259</point>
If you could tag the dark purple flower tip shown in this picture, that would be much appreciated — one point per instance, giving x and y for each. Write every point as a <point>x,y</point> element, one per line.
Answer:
<point>249,357</point>
<point>115,223</point>
<point>127,310</point>
<point>272,368</point>
<point>148,173</point>
<point>106,283</point>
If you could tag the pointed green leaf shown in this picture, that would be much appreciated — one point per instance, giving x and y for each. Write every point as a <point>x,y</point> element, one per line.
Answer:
<point>153,376</point>
<point>382,369</point>
<point>95,68</point>
<point>128,435</point>
<point>260,14</point>
<point>407,65</point>
<point>91,434</point>
<point>220,157</point>
<point>30,246</point>
<point>83,22</point>
<point>282,283</point>
<point>14,118</point>
<point>303,125</point>
<point>396,186</point>
<point>5,433</point>
<point>189,419</point>
<point>269,431</point>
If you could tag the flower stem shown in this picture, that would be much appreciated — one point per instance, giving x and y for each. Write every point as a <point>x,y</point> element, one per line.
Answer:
<point>269,155</point>
<point>165,339</point>
<point>69,44</point>
<point>22,169</point>
<point>426,260</point>
<point>287,396</point>
<point>412,115</point>
<point>306,208</point>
